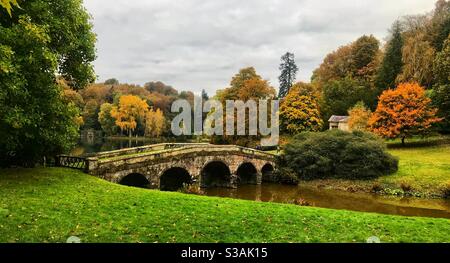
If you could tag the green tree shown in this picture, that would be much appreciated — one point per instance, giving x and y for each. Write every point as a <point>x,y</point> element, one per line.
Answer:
<point>112,81</point>
<point>107,122</point>
<point>35,119</point>
<point>441,100</point>
<point>70,34</point>
<point>90,115</point>
<point>442,64</point>
<point>341,95</point>
<point>205,96</point>
<point>392,64</point>
<point>289,71</point>
<point>440,24</point>
<point>441,90</point>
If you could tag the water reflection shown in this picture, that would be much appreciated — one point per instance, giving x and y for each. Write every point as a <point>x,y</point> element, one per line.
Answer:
<point>338,199</point>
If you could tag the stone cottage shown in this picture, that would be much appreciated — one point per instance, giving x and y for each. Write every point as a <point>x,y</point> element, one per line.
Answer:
<point>339,122</point>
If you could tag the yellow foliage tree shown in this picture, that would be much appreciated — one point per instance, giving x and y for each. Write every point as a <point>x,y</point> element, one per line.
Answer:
<point>128,112</point>
<point>299,111</point>
<point>359,117</point>
<point>8,4</point>
<point>155,123</point>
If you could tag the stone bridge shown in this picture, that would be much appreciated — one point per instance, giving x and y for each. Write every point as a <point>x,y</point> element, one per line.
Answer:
<point>169,166</point>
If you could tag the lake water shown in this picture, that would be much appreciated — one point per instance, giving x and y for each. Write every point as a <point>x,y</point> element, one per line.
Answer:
<point>406,206</point>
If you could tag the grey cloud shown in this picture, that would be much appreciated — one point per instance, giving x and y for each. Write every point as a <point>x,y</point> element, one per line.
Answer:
<point>194,44</point>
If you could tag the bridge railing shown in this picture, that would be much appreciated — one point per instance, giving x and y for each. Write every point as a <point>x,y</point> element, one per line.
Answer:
<point>150,152</point>
<point>71,162</point>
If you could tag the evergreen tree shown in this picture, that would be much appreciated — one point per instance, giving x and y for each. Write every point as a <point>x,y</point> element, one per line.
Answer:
<point>112,81</point>
<point>205,96</point>
<point>392,64</point>
<point>288,72</point>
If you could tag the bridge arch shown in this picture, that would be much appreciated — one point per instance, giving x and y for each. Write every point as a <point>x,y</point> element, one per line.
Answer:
<point>135,180</point>
<point>247,173</point>
<point>174,178</point>
<point>215,174</point>
<point>267,172</point>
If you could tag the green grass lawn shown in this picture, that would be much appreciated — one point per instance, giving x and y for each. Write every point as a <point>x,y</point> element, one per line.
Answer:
<point>425,169</point>
<point>51,204</point>
<point>424,166</point>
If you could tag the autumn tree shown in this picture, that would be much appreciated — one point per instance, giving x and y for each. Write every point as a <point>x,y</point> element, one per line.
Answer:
<point>359,117</point>
<point>335,66</point>
<point>107,122</point>
<point>71,95</point>
<point>8,5</point>
<point>417,57</point>
<point>365,58</point>
<point>40,41</point>
<point>359,59</point>
<point>245,85</point>
<point>154,123</point>
<point>391,65</point>
<point>100,93</point>
<point>161,88</point>
<point>299,110</point>
<point>403,112</point>
<point>347,76</point>
<point>288,74</point>
<point>130,110</point>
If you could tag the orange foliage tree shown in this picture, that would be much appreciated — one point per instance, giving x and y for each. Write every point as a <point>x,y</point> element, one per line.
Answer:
<point>403,112</point>
<point>131,109</point>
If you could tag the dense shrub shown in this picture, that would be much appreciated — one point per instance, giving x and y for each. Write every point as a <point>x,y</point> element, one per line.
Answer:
<point>337,154</point>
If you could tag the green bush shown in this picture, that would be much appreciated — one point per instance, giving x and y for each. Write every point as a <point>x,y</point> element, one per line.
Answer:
<point>337,154</point>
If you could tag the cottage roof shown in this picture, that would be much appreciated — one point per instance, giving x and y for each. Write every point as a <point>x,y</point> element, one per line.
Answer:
<point>336,118</point>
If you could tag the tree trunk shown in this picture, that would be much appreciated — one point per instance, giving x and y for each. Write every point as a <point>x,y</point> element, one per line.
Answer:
<point>403,141</point>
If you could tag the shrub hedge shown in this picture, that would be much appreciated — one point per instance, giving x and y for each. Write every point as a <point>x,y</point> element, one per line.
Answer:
<point>337,154</point>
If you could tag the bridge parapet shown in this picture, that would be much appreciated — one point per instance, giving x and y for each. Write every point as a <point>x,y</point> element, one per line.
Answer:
<point>143,149</point>
<point>154,160</point>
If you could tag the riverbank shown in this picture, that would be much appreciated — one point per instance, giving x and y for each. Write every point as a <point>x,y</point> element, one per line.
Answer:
<point>424,171</point>
<point>51,204</point>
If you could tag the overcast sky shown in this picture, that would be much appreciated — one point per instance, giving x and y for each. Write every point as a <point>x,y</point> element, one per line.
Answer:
<point>199,44</point>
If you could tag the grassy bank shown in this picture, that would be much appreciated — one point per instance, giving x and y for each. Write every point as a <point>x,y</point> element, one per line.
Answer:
<point>424,171</point>
<point>49,205</point>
